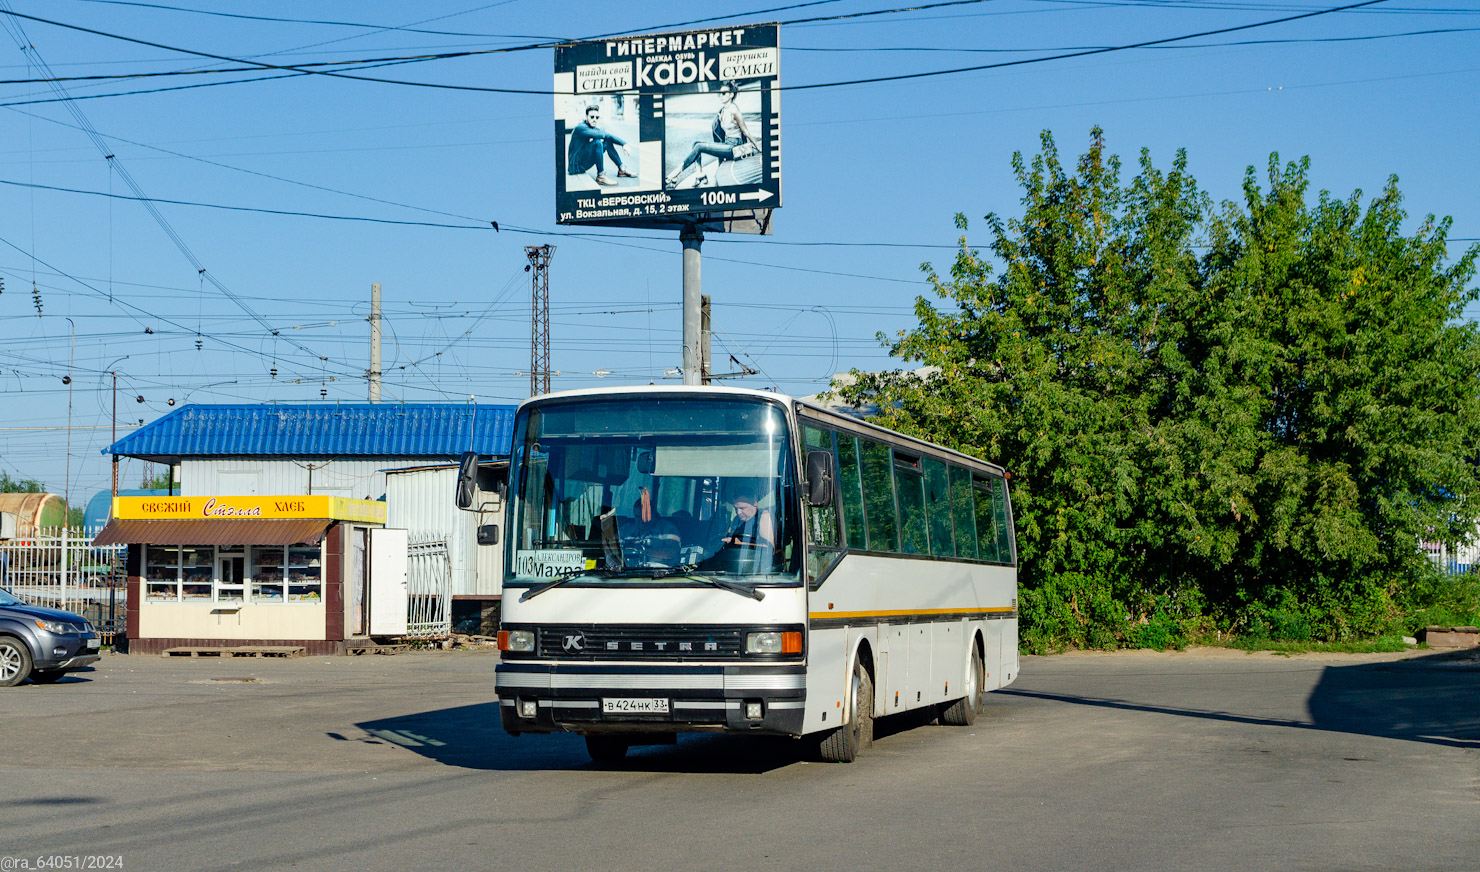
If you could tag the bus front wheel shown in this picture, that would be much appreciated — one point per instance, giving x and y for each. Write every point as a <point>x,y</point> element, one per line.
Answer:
<point>606,749</point>
<point>843,744</point>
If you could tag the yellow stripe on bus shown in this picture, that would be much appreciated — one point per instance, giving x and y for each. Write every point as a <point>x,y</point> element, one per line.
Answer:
<point>895,613</point>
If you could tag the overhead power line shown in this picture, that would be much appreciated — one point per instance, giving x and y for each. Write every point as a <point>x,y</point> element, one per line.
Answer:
<point>87,127</point>
<point>304,69</point>
<point>1086,52</point>
<point>287,212</point>
<point>282,20</point>
<point>1230,43</point>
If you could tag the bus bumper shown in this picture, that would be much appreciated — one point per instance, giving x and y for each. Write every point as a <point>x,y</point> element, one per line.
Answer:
<point>600,699</point>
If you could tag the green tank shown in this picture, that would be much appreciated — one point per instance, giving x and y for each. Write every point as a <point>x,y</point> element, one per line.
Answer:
<point>34,512</point>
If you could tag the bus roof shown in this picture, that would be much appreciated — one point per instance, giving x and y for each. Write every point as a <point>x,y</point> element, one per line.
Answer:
<point>808,409</point>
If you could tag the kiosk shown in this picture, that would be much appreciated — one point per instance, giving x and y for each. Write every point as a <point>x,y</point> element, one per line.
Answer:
<point>234,571</point>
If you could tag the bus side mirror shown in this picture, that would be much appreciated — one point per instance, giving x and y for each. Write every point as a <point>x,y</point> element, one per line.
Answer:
<point>467,480</point>
<point>488,534</point>
<point>820,478</point>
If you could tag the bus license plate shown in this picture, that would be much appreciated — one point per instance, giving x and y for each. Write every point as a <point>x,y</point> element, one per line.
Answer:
<point>629,705</point>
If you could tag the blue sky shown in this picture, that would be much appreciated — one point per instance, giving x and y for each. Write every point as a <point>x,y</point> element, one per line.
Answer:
<point>1390,89</point>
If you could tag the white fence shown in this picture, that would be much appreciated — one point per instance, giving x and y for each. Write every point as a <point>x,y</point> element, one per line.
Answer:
<point>1452,559</point>
<point>61,569</point>
<point>428,590</point>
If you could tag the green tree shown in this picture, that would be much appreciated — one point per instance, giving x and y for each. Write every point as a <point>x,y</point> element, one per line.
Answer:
<point>1259,434</point>
<point>10,485</point>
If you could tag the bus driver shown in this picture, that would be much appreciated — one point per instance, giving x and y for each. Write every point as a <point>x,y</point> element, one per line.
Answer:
<point>753,526</point>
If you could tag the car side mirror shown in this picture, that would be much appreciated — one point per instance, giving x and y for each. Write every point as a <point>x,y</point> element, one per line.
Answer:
<point>821,487</point>
<point>467,480</point>
<point>488,534</point>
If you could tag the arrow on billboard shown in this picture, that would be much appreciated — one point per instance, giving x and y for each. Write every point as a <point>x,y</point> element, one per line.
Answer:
<point>758,196</point>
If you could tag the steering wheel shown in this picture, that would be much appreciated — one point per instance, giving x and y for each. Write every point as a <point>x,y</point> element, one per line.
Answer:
<point>753,544</point>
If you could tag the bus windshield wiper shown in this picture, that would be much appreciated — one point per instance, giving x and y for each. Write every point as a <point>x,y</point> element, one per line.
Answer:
<point>566,577</point>
<point>732,587</point>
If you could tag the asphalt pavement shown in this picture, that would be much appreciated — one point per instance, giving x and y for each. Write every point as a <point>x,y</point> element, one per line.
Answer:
<point>1136,760</point>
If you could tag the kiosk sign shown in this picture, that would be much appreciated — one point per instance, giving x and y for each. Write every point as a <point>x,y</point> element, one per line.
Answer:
<point>670,129</point>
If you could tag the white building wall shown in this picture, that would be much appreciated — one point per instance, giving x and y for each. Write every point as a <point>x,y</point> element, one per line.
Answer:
<point>421,501</point>
<point>360,478</point>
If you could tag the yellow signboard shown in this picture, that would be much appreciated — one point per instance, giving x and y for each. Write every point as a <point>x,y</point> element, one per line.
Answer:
<point>236,508</point>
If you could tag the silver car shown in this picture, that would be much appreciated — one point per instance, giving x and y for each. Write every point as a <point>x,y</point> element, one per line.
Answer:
<point>42,644</point>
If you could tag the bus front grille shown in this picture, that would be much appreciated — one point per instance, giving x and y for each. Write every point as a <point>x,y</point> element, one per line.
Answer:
<point>641,642</point>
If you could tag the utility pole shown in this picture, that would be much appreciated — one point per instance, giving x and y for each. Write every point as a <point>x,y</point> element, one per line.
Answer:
<point>67,483</point>
<point>539,318</point>
<point>375,342</point>
<point>115,437</point>
<point>706,363</point>
<point>691,237</point>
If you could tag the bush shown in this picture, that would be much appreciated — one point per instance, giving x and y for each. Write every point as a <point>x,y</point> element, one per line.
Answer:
<point>1441,600</point>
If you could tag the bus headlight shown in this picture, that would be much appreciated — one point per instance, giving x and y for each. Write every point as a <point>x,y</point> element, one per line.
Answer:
<point>516,640</point>
<point>773,642</point>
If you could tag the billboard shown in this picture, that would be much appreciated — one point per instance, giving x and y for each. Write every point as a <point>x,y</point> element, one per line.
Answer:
<point>670,129</point>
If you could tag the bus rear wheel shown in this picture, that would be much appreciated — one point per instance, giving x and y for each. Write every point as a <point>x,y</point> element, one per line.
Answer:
<point>606,749</point>
<point>962,712</point>
<point>843,744</point>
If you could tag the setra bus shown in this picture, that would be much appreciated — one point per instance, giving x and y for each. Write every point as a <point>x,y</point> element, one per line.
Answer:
<point>720,559</point>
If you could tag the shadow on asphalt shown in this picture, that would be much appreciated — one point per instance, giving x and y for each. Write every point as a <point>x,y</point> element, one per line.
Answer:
<point>76,676</point>
<point>1433,699</point>
<point>471,737</point>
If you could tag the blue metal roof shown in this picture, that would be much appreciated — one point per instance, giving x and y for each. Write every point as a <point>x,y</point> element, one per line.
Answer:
<point>441,430</point>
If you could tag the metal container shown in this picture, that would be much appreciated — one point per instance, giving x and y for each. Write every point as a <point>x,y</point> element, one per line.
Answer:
<point>34,512</point>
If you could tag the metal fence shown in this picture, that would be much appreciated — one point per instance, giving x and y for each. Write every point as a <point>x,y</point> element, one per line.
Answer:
<point>60,569</point>
<point>1452,559</point>
<point>428,590</point>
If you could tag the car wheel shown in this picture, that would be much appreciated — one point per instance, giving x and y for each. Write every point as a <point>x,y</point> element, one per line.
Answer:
<point>47,676</point>
<point>15,662</point>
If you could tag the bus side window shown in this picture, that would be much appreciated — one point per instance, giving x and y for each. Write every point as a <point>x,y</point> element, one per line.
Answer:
<point>850,492</point>
<point>822,521</point>
<point>986,529</point>
<point>1003,519</point>
<point>963,513</point>
<point>910,485</point>
<point>938,508</point>
<point>878,496</point>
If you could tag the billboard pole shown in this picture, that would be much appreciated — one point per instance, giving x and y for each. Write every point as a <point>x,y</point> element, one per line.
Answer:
<point>691,237</point>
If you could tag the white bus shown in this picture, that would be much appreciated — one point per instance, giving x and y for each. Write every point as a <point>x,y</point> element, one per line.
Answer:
<point>716,559</point>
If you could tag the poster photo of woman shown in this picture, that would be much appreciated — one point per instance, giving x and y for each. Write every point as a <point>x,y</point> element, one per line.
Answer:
<point>713,139</point>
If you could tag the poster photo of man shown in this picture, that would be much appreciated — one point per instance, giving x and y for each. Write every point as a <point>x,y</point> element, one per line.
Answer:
<point>714,138</point>
<point>601,145</point>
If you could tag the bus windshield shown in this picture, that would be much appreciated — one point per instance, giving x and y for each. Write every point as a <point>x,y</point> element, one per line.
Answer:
<point>623,490</point>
